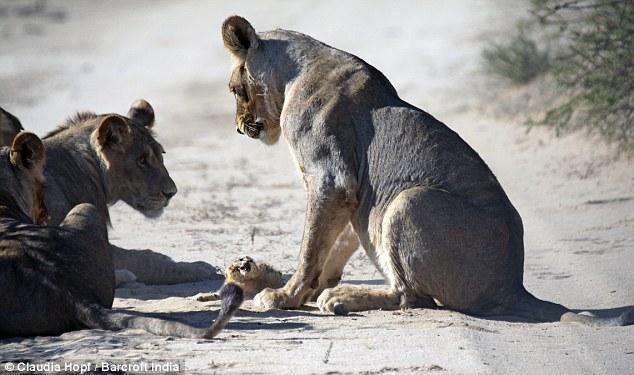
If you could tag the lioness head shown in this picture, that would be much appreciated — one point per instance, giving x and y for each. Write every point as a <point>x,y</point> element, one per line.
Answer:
<point>21,178</point>
<point>259,100</point>
<point>9,127</point>
<point>134,159</point>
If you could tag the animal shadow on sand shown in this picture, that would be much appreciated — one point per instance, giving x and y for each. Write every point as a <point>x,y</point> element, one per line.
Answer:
<point>17,347</point>
<point>613,312</point>
<point>202,319</point>
<point>39,349</point>
<point>151,292</point>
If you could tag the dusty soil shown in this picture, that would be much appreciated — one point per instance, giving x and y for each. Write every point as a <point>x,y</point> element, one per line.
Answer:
<point>237,196</point>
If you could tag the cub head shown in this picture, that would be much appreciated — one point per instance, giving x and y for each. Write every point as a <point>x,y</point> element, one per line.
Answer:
<point>242,269</point>
<point>134,159</point>
<point>21,179</point>
<point>254,85</point>
<point>10,126</point>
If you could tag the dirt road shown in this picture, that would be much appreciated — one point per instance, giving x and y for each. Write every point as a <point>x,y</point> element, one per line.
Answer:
<point>237,196</point>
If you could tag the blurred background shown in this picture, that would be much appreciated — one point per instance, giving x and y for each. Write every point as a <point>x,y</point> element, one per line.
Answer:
<point>61,56</point>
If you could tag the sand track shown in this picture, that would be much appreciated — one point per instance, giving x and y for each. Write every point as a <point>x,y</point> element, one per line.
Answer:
<point>239,197</point>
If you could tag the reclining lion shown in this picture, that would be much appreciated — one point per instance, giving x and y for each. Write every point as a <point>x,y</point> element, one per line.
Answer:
<point>426,208</point>
<point>58,279</point>
<point>101,159</point>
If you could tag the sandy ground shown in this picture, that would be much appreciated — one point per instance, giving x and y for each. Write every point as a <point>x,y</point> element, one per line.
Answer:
<point>237,196</point>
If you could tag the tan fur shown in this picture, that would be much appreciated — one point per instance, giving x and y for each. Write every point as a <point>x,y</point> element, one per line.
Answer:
<point>426,208</point>
<point>103,159</point>
<point>249,275</point>
<point>347,243</point>
<point>61,278</point>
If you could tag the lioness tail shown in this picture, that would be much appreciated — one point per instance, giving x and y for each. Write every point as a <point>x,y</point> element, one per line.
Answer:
<point>532,307</point>
<point>97,317</point>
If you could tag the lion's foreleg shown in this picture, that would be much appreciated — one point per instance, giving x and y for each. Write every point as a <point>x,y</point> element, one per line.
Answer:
<point>150,267</point>
<point>327,214</point>
<point>346,245</point>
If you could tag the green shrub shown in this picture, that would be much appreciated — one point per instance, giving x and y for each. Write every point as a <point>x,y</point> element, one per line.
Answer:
<point>593,64</point>
<point>519,60</point>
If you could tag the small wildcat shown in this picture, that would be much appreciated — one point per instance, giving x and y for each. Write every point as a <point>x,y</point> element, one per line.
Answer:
<point>251,276</point>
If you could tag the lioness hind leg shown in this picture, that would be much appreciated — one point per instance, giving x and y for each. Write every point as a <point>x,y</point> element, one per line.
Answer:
<point>347,243</point>
<point>435,243</point>
<point>343,299</point>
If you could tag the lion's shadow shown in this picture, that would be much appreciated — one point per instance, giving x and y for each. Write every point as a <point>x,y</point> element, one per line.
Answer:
<point>202,319</point>
<point>260,321</point>
<point>608,313</point>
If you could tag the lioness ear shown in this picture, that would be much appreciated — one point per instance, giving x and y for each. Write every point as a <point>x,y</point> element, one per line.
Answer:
<point>238,36</point>
<point>9,127</point>
<point>142,112</point>
<point>27,152</point>
<point>113,133</point>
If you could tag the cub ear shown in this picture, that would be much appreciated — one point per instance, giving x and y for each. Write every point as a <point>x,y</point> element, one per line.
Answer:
<point>27,152</point>
<point>238,36</point>
<point>113,133</point>
<point>9,127</point>
<point>142,112</point>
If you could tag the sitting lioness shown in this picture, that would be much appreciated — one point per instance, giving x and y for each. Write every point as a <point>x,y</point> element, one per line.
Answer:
<point>101,159</point>
<point>426,208</point>
<point>58,279</point>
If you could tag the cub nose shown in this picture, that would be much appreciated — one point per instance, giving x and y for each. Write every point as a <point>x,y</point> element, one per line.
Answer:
<point>169,194</point>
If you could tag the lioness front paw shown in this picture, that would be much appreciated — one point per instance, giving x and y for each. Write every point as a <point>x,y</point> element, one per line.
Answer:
<point>332,300</point>
<point>269,299</point>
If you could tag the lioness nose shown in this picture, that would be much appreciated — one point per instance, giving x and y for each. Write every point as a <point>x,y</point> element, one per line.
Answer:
<point>170,190</point>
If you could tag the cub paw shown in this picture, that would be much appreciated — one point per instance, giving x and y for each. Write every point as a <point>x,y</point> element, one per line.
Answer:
<point>206,297</point>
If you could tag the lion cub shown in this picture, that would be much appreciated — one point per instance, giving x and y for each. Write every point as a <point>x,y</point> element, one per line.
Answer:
<point>251,276</point>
